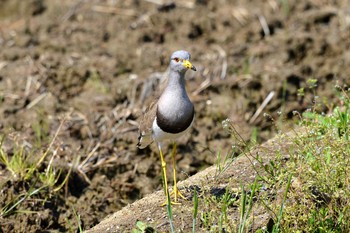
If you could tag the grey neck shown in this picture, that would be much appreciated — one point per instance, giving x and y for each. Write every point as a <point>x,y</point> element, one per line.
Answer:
<point>177,80</point>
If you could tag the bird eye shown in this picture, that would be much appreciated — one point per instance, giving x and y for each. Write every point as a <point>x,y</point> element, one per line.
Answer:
<point>176,59</point>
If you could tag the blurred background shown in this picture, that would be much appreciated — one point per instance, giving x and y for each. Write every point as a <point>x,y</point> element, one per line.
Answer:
<point>75,76</point>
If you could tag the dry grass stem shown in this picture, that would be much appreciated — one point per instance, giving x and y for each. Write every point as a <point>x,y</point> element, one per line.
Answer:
<point>262,106</point>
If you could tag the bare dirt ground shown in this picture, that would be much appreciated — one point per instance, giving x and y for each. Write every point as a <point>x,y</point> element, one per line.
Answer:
<point>93,64</point>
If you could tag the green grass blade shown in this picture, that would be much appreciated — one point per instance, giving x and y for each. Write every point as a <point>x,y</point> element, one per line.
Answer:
<point>195,209</point>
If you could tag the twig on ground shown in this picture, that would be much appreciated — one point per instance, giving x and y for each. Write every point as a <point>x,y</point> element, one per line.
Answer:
<point>262,106</point>
<point>145,18</point>
<point>3,64</point>
<point>223,57</point>
<point>36,100</point>
<point>158,2</point>
<point>240,14</point>
<point>181,3</point>
<point>86,160</point>
<point>72,11</point>
<point>114,10</point>
<point>264,25</point>
<point>28,85</point>
<point>51,143</point>
<point>204,85</point>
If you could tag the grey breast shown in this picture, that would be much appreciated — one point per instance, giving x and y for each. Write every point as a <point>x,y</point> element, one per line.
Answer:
<point>175,126</point>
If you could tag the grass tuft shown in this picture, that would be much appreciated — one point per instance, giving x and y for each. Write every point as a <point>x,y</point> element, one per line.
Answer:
<point>305,189</point>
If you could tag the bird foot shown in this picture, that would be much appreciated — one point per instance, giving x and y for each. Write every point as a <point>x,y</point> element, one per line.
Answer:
<point>177,195</point>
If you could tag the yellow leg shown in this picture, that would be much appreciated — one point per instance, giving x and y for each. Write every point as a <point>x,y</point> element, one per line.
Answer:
<point>165,181</point>
<point>175,191</point>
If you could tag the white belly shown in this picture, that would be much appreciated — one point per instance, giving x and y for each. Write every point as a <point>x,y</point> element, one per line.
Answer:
<point>159,135</point>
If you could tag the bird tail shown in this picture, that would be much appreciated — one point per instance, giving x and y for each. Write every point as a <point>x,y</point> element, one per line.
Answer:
<point>144,140</point>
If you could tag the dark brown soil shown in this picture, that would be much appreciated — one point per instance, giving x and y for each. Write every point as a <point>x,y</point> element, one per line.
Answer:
<point>86,65</point>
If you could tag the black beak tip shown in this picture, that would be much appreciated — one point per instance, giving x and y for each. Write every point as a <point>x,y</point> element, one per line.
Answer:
<point>193,68</point>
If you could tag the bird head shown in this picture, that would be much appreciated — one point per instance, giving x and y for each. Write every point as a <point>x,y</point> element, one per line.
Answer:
<point>180,61</point>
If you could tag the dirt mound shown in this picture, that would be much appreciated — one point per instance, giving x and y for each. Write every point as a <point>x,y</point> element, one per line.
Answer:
<point>210,183</point>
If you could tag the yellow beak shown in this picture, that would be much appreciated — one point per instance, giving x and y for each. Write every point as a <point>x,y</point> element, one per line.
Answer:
<point>188,65</point>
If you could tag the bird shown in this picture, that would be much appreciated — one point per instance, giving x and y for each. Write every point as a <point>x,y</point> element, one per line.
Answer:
<point>170,116</point>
